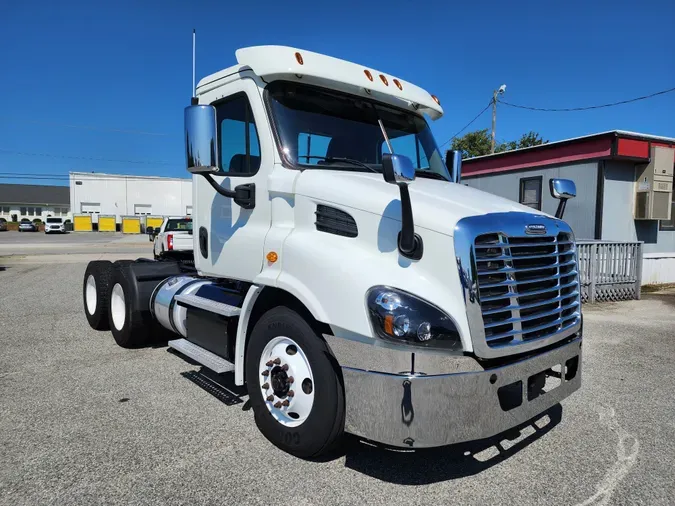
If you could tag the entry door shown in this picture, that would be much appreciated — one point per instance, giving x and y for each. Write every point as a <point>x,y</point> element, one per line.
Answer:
<point>235,236</point>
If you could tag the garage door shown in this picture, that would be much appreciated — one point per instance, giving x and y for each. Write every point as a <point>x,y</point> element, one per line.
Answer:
<point>131,225</point>
<point>106,224</point>
<point>82,223</point>
<point>154,221</point>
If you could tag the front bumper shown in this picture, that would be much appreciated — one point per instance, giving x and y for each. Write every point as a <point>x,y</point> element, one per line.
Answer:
<point>425,411</point>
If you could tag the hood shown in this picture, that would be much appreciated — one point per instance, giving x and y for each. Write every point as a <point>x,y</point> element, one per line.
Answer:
<point>437,205</point>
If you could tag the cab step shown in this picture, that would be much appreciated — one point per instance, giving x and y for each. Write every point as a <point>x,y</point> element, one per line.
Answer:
<point>205,357</point>
<point>207,305</point>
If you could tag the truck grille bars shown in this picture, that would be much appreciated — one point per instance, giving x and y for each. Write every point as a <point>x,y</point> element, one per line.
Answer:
<point>521,290</point>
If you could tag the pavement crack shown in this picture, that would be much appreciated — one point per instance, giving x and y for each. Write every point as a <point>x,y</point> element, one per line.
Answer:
<point>627,449</point>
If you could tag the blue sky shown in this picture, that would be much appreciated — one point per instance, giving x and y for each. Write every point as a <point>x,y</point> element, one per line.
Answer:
<point>127,65</point>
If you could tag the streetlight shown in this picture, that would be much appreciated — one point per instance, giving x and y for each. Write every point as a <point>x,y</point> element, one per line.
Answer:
<point>500,91</point>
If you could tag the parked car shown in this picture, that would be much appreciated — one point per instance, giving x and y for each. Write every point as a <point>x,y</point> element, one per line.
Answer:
<point>55,225</point>
<point>173,238</point>
<point>3,224</point>
<point>27,226</point>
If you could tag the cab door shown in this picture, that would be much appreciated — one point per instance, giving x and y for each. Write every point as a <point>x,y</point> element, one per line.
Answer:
<point>229,239</point>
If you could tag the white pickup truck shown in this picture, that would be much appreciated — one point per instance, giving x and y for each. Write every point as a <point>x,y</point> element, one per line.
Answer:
<point>173,238</point>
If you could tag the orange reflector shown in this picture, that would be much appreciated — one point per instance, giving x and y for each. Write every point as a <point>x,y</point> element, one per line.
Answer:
<point>384,80</point>
<point>298,57</point>
<point>436,99</point>
<point>398,84</point>
<point>272,257</point>
<point>389,324</point>
<point>368,75</point>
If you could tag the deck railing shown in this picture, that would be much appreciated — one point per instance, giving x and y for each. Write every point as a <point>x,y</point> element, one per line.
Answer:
<point>609,270</point>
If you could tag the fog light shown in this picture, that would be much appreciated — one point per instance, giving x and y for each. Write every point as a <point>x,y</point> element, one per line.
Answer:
<point>424,331</point>
<point>401,325</point>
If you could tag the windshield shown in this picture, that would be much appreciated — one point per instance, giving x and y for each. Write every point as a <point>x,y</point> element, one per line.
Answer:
<point>317,127</point>
<point>176,225</point>
<point>53,220</point>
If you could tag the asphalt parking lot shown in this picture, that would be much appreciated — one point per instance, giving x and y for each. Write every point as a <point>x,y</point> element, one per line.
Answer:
<point>86,422</point>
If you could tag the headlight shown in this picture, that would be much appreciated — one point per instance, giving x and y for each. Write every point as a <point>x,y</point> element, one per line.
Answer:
<point>401,317</point>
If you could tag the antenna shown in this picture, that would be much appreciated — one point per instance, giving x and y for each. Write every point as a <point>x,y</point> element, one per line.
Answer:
<point>194,43</point>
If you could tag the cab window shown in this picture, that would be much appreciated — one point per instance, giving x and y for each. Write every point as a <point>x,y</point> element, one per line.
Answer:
<point>238,145</point>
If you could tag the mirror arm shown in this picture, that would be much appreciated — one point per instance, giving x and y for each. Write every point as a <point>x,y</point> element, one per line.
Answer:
<point>409,243</point>
<point>243,195</point>
<point>561,209</point>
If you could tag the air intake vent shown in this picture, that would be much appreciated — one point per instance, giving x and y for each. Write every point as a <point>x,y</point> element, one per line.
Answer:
<point>335,221</point>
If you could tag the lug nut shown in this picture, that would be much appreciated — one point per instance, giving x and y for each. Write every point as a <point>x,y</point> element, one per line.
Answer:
<point>277,361</point>
<point>284,367</point>
<point>290,393</point>
<point>290,380</point>
<point>277,404</point>
<point>266,386</point>
<point>269,363</point>
<point>265,373</point>
<point>285,403</point>
<point>270,398</point>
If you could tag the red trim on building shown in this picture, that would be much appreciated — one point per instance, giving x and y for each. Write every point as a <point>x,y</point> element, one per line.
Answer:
<point>632,148</point>
<point>663,144</point>
<point>583,149</point>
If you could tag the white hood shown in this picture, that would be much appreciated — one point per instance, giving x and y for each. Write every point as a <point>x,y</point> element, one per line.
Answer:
<point>437,205</point>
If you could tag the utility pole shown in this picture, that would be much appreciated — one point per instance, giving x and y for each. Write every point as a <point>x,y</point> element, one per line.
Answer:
<point>494,120</point>
<point>500,91</point>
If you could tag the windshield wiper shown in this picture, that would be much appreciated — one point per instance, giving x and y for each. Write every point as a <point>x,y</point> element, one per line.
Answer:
<point>430,174</point>
<point>334,159</point>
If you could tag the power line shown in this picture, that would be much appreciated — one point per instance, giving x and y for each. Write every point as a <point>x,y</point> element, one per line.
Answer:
<point>468,124</point>
<point>86,127</point>
<point>25,153</point>
<point>570,109</point>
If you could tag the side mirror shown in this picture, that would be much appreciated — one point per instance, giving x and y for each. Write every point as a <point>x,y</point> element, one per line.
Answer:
<point>563,190</point>
<point>453,160</point>
<point>397,169</point>
<point>150,230</point>
<point>201,139</point>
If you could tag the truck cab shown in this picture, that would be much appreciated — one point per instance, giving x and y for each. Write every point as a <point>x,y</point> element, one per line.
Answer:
<point>346,276</point>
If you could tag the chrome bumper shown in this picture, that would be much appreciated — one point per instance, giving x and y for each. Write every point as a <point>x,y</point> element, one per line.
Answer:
<point>424,411</point>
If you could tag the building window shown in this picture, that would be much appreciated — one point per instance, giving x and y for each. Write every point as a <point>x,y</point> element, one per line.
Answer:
<point>38,211</point>
<point>237,136</point>
<point>530,192</point>
<point>4,210</point>
<point>22,211</point>
<point>142,209</point>
<point>669,224</point>
<point>90,208</point>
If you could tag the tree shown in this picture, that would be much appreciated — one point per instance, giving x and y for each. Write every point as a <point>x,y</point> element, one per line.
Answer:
<point>478,143</point>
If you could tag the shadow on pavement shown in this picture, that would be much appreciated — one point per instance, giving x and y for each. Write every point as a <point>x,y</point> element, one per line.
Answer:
<point>425,466</point>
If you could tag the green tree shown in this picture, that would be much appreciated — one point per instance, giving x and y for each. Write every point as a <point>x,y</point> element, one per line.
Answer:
<point>478,143</point>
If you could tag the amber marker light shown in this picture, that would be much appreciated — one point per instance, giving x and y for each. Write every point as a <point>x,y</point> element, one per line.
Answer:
<point>272,257</point>
<point>368,75</point>
<point>436,99</point>
<point>384,80</point>
<point>298,57</point>
<point>398,84</point>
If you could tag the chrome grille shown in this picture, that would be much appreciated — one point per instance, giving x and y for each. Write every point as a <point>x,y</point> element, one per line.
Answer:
<point>528,287</point>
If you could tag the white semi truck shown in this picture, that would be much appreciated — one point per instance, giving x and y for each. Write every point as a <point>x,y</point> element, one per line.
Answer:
<point>341,271</point>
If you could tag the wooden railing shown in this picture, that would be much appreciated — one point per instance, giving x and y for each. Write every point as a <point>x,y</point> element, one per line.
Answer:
<point>609,270</point>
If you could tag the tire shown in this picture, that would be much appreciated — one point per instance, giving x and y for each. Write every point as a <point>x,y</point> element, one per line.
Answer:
<point>131,328</point>
<point>95,288</point>
<point>319,430</point>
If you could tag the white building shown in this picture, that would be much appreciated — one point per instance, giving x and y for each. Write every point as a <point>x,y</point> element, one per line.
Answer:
<point>118,195</point>
<point>19,201</point>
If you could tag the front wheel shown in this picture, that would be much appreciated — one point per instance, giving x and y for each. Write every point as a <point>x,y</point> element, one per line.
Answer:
<point>294,385</point>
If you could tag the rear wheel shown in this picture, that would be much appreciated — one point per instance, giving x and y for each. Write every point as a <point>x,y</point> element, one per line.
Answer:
<point>130,326</point>
<point>295,388</point>
<point>95,289</point>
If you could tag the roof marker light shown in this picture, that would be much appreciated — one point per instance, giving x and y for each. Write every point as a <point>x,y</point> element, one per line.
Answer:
<point>384,80</point>
<point>436,99</point>
<point>398,84</point>
<point>368,75</point>
<point>298,57</point>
